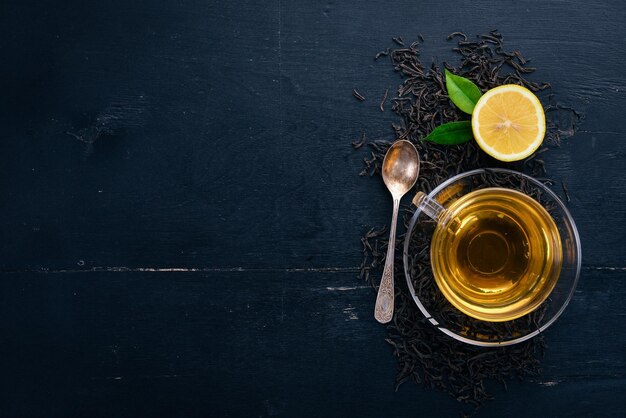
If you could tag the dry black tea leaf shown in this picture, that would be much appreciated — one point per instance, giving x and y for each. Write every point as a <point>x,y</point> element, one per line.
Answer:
<point>425,355</point>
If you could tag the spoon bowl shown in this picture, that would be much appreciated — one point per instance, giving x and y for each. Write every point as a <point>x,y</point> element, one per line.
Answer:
<point>400,167</point>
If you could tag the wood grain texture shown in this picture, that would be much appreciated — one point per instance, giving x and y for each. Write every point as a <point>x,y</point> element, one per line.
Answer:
<point>198,126</point>
<point>182,172</point>
<point>262,344</point>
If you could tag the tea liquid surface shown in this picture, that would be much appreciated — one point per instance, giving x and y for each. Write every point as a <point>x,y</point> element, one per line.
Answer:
<point>497,255</point>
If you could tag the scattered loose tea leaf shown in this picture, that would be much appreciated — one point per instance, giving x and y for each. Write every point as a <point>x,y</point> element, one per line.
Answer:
<point>462,92</point>
<point>358,144</point>
<point>425,355</point>
<point>451,133</point>
<point>358,95</point>
<point>382,102</point>
<point>565,190</point>
<point>398,40</point>
<point>382,54</point>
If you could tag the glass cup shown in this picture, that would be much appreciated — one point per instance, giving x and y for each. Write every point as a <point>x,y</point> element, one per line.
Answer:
<point>503,260</point>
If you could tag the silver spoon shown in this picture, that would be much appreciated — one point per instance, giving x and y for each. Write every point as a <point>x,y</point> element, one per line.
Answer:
<point>400,169</point>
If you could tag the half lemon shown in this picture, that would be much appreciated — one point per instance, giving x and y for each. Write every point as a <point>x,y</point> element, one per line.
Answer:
<point>509,123</point>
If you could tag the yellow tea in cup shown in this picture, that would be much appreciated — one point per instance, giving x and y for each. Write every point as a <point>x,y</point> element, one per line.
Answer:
<point>496,254</point>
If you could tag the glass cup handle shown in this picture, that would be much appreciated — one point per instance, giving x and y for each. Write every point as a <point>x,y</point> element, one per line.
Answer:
<point>429,206</point>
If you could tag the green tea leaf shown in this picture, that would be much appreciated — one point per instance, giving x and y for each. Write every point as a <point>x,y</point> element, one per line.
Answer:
<point>451,133</point>
<point>463,92</point>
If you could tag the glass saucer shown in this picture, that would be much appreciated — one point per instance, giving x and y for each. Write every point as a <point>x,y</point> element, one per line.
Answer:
<point>436,308</point>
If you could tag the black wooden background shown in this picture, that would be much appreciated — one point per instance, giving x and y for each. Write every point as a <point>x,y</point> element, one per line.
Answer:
<point>181,210</point>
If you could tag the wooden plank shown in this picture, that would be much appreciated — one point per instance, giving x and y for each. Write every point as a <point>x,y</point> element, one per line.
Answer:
<point>242,343</point>
<point>213,137</point>
<point>224,144</point>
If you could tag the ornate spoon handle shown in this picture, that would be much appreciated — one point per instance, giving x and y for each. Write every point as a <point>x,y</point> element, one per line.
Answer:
<point>383,312</point>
